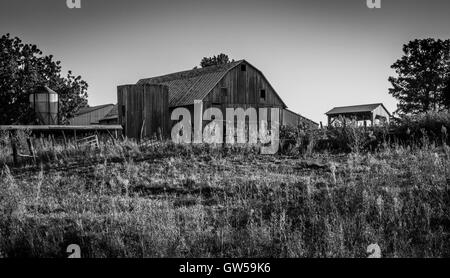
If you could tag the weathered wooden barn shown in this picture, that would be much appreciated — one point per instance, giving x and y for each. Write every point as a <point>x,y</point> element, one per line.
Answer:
<point>372,114</point>
<point>112,118</point>
<point>144,110</point>
<point>235,85</point>
<point>291,118</point>
<point>91,115</point>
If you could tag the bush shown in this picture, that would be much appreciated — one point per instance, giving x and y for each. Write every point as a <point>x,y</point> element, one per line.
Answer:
<point>351,139</point>
<point>412,129</point>
<point>298,140</point>
<point>417,130</point>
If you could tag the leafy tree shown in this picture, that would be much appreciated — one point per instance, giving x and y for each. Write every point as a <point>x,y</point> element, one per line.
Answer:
<point>23,68</point>
<point>447,94</point>
<point>422,74</point>
<point>215,60</point>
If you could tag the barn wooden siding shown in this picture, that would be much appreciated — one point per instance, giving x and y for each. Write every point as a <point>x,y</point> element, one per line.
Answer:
<point>241,87</point>
<point>91,117</point>
<point>293,119</point>
<point>143,110</point>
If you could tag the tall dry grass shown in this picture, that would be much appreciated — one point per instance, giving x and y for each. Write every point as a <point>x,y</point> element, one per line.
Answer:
<point>167,200</point>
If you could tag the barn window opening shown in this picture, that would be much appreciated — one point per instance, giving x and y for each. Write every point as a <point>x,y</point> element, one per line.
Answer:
<point>243,67</point>
<point>262,95</point>
<point>224,92</point>
<point>123,110</point>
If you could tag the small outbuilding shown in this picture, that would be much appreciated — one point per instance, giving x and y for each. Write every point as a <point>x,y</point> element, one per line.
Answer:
<point>375,114</point>
<point>112,118</point>
<point>91,115</point>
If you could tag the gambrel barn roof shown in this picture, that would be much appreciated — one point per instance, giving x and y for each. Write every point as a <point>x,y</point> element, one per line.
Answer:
<point>196,84</point>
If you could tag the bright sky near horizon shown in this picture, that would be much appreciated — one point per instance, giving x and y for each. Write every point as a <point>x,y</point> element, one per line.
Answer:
<point>317,54</point>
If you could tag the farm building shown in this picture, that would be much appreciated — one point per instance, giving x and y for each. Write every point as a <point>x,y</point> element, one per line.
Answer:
<point>233,85</point>
<point>144,110</point>
<point>91,115</point>
<point>112,118</point>
<point>375,114</point>
<point>291,118</point>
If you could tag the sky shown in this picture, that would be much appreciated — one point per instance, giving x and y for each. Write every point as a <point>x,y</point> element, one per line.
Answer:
<point>317,54</point>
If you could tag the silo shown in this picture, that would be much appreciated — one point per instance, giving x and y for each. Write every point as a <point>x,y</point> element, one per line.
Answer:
<point>45,102</point>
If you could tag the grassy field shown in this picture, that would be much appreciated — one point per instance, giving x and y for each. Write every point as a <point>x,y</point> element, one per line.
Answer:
<point>164,200</point>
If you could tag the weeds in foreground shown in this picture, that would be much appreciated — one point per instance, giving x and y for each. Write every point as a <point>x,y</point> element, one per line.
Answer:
<point>200,201</point>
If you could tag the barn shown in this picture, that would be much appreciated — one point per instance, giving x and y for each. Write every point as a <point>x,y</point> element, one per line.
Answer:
<point>234,85</point>
<point>91,115</point>
<point>112,118</point>
<point>291,118</point>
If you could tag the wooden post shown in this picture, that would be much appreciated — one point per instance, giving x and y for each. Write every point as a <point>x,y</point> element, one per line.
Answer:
<point>31,148</point>
<point>98,143</point>
<point>112,138</point>
<point>142,131</point>
<point>14,149</point>
<point>159,134</point>
<point>41,138</point>
<point>65,139</point>
<point>76,140</point>
<point>53,140</point>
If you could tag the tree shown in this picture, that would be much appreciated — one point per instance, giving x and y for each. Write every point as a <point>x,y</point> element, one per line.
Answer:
<point>23,68</point>
<point>220,59</point>
<point>447,94</point>
<point>422,74</point>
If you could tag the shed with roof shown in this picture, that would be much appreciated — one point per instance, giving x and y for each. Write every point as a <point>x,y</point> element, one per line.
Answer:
<point>91,115</point>
<point>372,114</point>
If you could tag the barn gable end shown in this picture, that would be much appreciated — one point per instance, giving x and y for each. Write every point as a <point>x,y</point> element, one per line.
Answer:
<point>244,85</point>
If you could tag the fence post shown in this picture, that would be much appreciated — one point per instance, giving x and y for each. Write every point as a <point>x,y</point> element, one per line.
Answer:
<point>142,130</point>
<point>41,139</point>
<point>52,137</point>
<point>31,148</point>
<point>160,134</point>
<point>76,139</point>
<point>97,142</point>
<point>65,139</point>
<point>14,149</point>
